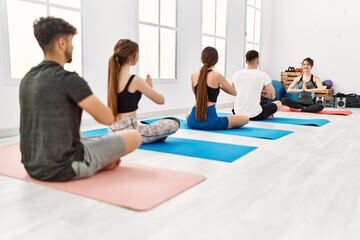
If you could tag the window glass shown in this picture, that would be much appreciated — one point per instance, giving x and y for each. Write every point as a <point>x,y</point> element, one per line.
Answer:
<point>149,11</point>
<point>221,48</point>
<point>67,3</point>
<point>208,41</point>
<point>25,51</point>
<point>214,17</point>
<point>221,15</point>
<point>253,25</point>
<point>167,53</point>
<point>208,20</point>
<point>257,26</point>
<point>258,4</point>
<point>148,52</point>
<point>250,24</point>
<point>157,38</point>
<point>251,2</point>
<point>167,16</point>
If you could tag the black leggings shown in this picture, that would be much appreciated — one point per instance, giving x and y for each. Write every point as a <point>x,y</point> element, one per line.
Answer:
<point>268,109</point>
<point>315,107</point>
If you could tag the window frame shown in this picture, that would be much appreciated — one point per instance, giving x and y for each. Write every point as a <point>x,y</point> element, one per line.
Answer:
<point>254,27</point>
<point>215,36</point>
<point>4,28</point>
<point>159,26</point>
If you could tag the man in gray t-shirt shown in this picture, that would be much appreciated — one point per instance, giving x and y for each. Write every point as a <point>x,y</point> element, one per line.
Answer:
<point>51,104</point>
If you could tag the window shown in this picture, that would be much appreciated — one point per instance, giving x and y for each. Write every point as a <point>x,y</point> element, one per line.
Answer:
<point>253,25</point>
<point>158,38</point>
<point>23,51</point>
<point>214,24</point>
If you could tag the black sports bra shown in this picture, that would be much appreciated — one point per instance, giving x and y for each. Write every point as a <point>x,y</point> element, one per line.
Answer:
<point>310,83</point>
<point>127,101</point>
<point>213,93</point>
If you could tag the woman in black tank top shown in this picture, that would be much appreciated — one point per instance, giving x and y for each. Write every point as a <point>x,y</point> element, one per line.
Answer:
<point>125,91</point>
<point>306,86</point>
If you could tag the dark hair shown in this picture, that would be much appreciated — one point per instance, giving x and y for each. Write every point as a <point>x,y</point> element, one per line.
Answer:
<point>252,55</point>
<point>123,49</point>
<point>309,60</point>
<point>48,29</point>
<point>209,57</point>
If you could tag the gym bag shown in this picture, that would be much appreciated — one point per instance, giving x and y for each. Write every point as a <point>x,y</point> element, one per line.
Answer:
<point>352,99</point>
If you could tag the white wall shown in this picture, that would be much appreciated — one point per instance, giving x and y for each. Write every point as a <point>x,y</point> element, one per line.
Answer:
<point>107,21</point>
<point>325,30</point>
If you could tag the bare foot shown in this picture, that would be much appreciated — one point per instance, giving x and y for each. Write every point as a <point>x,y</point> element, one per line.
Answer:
<point>112,165</point>
<point>295,109</point>
<point>271,116</point>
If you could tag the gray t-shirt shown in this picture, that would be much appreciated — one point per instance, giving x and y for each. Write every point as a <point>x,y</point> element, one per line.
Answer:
<point>50,121</point>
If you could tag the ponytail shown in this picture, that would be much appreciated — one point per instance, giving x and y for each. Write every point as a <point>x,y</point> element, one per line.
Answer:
<point>113,74</point>
<point>123,49</point>
<point>202,94</point>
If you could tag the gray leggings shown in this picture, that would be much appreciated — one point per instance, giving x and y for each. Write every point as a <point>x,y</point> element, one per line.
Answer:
<point>149,132</point>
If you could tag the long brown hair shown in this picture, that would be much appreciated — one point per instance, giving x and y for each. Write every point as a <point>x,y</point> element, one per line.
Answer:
<point>123,49</point>
<point>209,57</point>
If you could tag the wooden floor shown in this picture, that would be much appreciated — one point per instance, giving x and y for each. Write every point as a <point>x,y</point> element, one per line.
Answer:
<point>303,186</point>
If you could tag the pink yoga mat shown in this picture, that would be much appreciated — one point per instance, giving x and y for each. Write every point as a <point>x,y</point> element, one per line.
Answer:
<point>133,186</point>
<point>328,112</point>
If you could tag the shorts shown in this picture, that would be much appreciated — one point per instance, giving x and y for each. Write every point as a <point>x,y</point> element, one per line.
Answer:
<point>98,152</point>
<point>268,109</point>
<point>212,122</point>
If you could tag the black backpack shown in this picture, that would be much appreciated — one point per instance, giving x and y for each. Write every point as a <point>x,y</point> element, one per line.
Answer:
<point>352,99</point>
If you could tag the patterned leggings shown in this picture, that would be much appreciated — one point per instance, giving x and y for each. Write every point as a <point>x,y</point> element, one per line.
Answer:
<point>157,131</point>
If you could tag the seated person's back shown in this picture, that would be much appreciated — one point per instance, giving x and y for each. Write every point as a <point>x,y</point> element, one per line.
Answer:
<point>248,84</point>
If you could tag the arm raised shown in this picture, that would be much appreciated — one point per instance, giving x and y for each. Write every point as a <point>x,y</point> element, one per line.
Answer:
<point>145,87</point>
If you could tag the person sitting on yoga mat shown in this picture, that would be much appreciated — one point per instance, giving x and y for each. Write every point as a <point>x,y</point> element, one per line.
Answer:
<point>307,85</point>
<point>250,84</point>
<point>206,85</point>
<point>125,91</point>
<point>51,104</point>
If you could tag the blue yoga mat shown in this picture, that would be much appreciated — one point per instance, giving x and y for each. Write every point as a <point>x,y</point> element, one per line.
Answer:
<point>201,149</point>
<point>94,132</point>
<point>254,132</point>
<point>296,121</point>
<point>189,147</point>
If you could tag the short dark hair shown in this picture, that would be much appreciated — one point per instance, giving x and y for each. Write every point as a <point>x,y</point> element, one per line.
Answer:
<point>48,29</point>
<point>309,60</point>
<point>252,55</point>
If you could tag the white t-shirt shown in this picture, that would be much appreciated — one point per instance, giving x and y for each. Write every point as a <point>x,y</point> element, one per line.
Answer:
<point>248,84</point>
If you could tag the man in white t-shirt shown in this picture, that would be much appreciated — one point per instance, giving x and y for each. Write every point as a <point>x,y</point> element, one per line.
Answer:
<point>250,85</point>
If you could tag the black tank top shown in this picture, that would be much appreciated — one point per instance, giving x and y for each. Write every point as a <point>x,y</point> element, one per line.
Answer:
<point>213,93</point>
<point>127,101</point>
<point>307,97</point>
